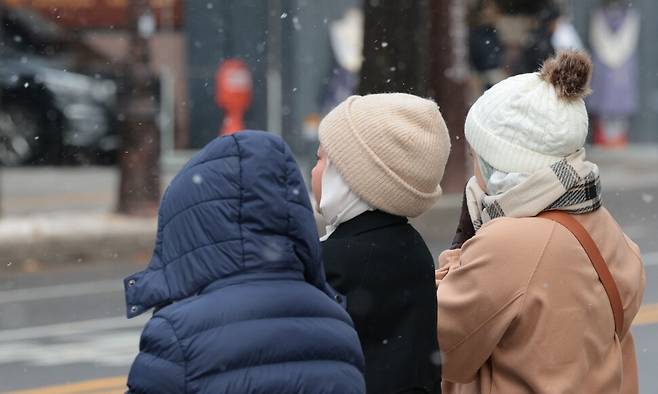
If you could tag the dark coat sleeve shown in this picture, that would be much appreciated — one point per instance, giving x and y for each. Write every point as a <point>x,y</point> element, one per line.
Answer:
<point>465,230</point>
<point>160,364</point>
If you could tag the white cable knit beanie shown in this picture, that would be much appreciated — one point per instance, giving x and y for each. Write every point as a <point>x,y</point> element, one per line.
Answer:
<point>391,149</point>
<point>531,121</point>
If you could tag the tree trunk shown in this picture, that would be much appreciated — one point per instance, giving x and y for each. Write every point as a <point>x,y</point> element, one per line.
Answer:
<point>3,12</point>
<point>139,189</point>
<point>448,72</point>
<point>419,47</point>
<point>393,56</point>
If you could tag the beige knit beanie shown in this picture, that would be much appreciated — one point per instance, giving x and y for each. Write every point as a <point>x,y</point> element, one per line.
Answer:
<point>390,148</point>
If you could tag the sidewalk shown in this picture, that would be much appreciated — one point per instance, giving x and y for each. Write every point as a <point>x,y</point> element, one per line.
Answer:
<point>64,215</point>
<point>631,168</point>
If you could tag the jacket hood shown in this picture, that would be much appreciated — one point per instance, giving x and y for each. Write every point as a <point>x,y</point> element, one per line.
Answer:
<point>238,209</point>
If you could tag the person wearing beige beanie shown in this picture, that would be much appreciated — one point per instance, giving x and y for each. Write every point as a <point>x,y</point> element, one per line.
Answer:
<point>380,161</point>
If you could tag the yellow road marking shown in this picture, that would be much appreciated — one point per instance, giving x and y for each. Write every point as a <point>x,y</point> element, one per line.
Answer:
<point>115,385</point>
<point>118,390</point>
<point>648,314</point>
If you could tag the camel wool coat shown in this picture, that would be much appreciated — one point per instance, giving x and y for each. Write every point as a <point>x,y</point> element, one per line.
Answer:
<point>521,310</point>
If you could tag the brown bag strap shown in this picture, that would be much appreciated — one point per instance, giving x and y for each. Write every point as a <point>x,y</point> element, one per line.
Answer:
<point>597,260</point>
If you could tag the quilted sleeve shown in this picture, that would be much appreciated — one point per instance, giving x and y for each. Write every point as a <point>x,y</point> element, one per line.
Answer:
<point>160,365</point>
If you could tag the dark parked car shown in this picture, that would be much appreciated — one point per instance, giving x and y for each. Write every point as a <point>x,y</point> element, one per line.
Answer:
<point>52,105</point>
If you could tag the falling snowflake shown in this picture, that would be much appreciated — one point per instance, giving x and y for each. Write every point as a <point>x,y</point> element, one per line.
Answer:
<point>284,15</point>
<point>435,357</point>
<point>384,44</point>
<point>197,179</point>
<point>296,24</point>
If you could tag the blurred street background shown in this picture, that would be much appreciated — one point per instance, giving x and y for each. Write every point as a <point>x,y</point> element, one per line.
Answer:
<point>103,101</point>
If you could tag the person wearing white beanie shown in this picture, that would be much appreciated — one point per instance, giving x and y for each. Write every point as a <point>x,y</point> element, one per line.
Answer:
<point>380,161</point>
<point>540,290</point>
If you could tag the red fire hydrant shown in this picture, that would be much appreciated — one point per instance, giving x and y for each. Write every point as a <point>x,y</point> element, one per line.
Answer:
<point>233,86</point>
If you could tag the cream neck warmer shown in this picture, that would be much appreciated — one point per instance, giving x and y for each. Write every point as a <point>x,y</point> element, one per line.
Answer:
<point>499,182</point>
<point>338,203</point>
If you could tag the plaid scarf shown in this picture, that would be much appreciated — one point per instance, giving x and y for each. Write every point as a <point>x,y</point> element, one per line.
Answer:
<point>571,185</point>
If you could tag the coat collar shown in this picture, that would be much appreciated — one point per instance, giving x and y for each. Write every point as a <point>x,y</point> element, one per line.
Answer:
<point>365,222</point>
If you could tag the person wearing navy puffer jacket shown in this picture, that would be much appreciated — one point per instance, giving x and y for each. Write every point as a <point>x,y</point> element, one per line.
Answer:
<point>237,281</point>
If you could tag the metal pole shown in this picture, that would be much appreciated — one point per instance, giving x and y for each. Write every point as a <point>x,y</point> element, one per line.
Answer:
<point>3,12</point>
<point>274,84</point>
<point>139,188</point>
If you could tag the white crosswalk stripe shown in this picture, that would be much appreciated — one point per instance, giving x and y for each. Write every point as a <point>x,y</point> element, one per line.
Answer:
<point>109,342</point>
<point>111,348</point>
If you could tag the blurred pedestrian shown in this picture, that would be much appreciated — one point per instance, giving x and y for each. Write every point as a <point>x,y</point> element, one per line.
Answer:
<point>539,45</point>
<point>237,281</point>
<point>520,305</point>
<point>485,47</point>
<point>565,37</point>
<point>614,35</point>
<point>380,161</point>
<point>346,39</point>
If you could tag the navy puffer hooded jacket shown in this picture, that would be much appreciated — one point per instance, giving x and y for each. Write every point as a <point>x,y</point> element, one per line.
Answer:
<point>237,280</point>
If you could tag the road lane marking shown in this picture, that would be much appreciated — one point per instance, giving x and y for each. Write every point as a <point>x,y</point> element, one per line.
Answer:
<point>64,329</point>
<point>117,348</point>
<point>648,314</point>
<point>60,291</point>
<point>97,386</point>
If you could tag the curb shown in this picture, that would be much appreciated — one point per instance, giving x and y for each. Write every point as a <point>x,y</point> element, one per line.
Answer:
<point>30,243</point>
